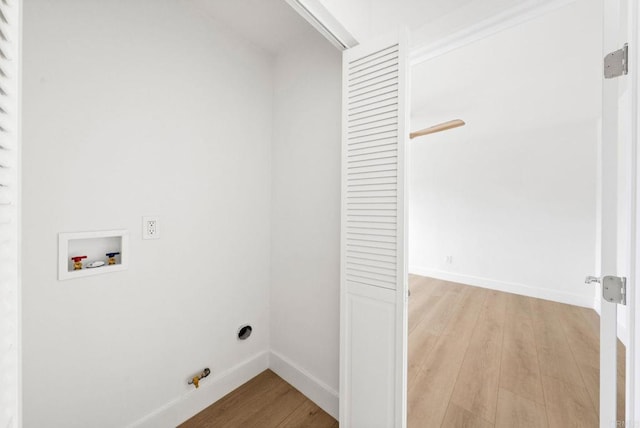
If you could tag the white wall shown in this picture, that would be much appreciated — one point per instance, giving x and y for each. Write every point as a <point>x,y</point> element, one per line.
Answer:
<point>131,109</point>
<point>305,279</point>
<point>511,196</point>
<point>460,15</point>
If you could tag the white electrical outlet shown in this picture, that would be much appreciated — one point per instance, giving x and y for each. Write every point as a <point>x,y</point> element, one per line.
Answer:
<point>448,260</point>
<point>150,228</point>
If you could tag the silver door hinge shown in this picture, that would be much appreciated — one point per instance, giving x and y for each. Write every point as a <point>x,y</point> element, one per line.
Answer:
<point>614,288</point>
<point>617,63</point>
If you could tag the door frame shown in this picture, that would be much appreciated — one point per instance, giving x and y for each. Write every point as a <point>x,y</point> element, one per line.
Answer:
<point>632,353</point>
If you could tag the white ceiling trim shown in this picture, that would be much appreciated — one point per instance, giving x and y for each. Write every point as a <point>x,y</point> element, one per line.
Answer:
<point>509,18</point>
<point>322,20</point>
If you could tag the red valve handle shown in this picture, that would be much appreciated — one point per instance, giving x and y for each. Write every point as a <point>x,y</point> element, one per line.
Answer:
<point>78,258</point>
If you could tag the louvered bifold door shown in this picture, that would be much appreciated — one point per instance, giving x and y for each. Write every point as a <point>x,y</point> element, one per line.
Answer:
<point>9,292</point>
<point>373,270</point>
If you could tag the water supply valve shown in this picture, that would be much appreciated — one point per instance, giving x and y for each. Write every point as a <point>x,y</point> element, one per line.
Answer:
<point>112,257</point>
<point>77,262</point>
<point>195,381</point>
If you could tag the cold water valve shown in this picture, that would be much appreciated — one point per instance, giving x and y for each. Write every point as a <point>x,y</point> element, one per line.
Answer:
<point>112,258</point>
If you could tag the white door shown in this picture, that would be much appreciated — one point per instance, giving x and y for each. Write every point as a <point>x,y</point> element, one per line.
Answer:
<point>373,325</point>
<point>617,166</point>
<point>10,18</point>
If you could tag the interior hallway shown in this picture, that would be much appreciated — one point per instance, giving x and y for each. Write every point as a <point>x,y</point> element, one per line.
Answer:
<point>485,358</point>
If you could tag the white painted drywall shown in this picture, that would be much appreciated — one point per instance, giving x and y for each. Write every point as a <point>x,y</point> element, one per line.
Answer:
<point>353,15</point>
<point>460,15</point>
<point>511,195</point>
<point>427,21</point>
<point>270,24</point>
<point>305,250</point>
<point>131,109</point>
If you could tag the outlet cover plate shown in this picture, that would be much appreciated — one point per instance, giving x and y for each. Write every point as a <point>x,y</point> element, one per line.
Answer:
<point>150,227</point>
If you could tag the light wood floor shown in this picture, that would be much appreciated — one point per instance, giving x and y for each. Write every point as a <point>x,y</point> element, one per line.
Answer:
<point>483,358</point>
<point>477,358</point>
<point>266,401</point>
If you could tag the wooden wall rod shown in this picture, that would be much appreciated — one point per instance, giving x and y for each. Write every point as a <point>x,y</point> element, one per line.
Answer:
<point>437,128</point>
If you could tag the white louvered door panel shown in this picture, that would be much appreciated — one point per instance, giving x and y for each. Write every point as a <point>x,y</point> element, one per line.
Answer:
<point>374,269</point>
<point>9,158</point>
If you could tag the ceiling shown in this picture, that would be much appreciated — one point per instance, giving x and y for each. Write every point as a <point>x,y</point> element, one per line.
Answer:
<point>387,15</point>
<point>535,73</point>
<point>431,20</point>
<point>269,24</point>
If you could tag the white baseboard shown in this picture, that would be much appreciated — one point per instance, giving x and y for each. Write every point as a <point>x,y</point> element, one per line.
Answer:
<point>509,287</point>
<point>314,389</point>
<point>216,386</point>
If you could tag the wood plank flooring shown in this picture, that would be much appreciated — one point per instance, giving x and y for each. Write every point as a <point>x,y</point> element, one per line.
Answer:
<point>484,358</point>
<point>477,358</point>
<point>266,401</point>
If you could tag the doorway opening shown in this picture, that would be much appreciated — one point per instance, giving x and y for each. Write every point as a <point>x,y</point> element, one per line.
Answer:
<point>502,229</point>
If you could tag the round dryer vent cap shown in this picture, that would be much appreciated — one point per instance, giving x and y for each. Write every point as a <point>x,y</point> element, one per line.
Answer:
<point>244,332</point>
